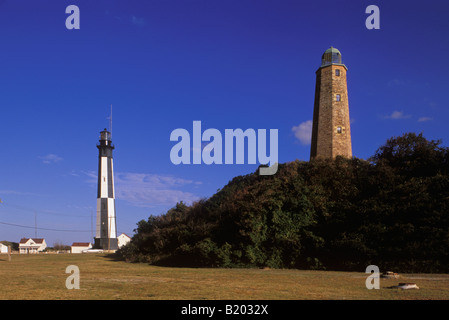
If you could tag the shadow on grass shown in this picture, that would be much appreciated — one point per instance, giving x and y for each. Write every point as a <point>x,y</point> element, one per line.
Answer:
<point>113,257</point>
<point>185,261</point>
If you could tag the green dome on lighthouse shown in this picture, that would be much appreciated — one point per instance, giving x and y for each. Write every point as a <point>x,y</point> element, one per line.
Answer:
<point>333,50</point>
<point>331,56</point>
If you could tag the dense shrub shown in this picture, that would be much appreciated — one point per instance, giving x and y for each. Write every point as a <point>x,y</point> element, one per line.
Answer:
<point>343,214</point>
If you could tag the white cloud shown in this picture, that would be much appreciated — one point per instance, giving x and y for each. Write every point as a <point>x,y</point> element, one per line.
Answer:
<point>92,175</point>
<point>303,132</point>
<point>50,158</point>
<point>19,193</point>
<point>150,190</point>
<point>424,119</point>
<point>138,21</point>
<point>398,115</point>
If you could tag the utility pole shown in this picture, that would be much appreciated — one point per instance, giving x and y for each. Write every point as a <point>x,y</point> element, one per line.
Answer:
<point>91,226</point>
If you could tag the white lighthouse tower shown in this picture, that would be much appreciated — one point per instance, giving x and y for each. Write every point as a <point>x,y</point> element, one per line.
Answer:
<point>106,229</point>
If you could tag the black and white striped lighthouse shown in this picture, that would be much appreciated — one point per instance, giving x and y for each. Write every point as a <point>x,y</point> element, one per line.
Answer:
<point>106,229</point>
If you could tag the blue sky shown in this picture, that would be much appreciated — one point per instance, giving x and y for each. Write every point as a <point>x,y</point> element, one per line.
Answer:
<point>163,64</point>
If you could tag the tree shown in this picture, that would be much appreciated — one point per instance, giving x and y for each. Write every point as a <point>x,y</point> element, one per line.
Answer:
<point>413,155</point>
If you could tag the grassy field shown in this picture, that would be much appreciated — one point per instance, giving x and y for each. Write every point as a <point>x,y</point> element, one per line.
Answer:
<point>43,277</point>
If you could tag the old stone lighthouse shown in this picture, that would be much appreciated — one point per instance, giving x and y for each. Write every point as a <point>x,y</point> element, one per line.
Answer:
<point>331,132</point>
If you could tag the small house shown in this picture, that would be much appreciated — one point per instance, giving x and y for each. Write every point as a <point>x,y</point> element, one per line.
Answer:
<point>31,245</point>
<point>78,247</point>
<point>3,248</point>
<point>123,239</point>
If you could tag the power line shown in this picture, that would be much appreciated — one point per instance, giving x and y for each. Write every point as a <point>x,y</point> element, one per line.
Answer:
<point>43,211</point>
<point>46,229</point>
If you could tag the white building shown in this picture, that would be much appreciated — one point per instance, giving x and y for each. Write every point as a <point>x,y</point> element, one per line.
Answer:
<point>3,248</point>
<point>78,247</point>
<point>123,239</point>
<point>30,245</point>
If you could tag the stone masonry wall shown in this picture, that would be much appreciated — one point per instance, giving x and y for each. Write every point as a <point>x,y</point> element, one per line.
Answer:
<point>331,133</point>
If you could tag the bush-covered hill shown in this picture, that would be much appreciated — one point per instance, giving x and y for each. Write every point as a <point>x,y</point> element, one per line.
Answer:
<point>342,214</point>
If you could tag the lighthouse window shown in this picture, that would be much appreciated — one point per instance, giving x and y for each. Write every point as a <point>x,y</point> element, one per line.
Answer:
<point>337,72</point>
<point>338,97</point>
<point>339,130</point>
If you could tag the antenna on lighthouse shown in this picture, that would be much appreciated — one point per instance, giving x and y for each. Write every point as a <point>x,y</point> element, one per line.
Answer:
<point>35,225</point>
<point>110,122</point>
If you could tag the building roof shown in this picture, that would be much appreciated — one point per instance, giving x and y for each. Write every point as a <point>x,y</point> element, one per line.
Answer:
<point>81,244</point>
<point>332,50</point>
<point>124,234</point>
<point>331,56</point>
<point>36,240</point>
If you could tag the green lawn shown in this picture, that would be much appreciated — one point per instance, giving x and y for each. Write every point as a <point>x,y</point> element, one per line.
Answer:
<point>43,277</point>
